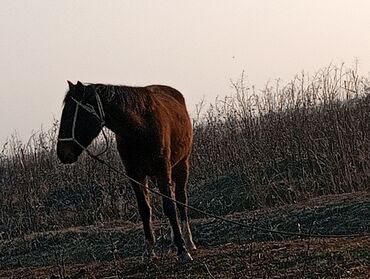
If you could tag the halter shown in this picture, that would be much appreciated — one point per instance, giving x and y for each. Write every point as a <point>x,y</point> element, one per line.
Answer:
<point>90,109</point>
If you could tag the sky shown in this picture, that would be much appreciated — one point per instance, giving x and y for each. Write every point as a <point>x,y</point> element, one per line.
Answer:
<point>194,46</point>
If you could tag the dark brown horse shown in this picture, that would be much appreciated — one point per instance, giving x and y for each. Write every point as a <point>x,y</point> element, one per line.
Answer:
<point>154,138</point>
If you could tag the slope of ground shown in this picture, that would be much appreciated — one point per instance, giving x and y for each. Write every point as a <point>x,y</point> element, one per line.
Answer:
<point>225,250</point>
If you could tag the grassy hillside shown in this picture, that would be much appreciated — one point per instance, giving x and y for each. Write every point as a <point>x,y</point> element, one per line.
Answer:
<point>286,144</point>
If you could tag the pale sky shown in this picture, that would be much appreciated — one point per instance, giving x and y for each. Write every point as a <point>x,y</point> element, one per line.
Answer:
<point>194,46</point>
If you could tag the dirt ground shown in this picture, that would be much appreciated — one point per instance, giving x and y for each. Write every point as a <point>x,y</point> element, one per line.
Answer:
<point>224,250</point>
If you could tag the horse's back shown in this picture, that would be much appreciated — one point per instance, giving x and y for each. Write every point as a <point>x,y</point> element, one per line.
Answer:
<point>167,90</point>
<point>167,102</point>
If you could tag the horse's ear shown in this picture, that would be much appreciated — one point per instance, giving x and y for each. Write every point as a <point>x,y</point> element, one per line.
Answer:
<point>70,84</point>
<point>79,85</point>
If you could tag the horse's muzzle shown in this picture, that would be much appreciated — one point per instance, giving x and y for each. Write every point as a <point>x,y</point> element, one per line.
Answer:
<point>66,153</point>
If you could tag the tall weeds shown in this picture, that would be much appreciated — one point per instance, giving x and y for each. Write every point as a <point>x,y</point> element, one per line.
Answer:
<point>252,149</point>
<point>289,143</point>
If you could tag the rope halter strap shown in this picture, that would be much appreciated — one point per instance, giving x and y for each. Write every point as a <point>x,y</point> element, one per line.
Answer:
<point>90,109</point>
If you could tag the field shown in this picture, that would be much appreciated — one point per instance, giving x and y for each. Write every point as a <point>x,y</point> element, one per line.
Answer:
<point>224,250</point>
<point>290,158</point>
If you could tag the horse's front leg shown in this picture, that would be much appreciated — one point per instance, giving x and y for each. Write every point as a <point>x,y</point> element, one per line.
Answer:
<point>145,210</point>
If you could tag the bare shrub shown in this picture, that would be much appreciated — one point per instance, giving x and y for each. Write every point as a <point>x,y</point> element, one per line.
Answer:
<point>288,143</point>
<point>307,138</point>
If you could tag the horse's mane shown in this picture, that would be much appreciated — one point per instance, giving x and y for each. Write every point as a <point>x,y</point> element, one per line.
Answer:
<point>136,98</point>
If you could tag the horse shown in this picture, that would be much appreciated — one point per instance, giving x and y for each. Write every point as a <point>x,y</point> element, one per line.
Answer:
<point>154,138</point>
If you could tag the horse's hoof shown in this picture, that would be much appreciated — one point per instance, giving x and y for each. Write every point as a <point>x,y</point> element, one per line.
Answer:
<point>191,246</point>
<point>185,257</point>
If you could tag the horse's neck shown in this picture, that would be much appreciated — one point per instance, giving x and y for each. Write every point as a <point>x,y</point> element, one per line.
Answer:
<point>121,114</point>
<point>113,114</point>
<point>119,117</point>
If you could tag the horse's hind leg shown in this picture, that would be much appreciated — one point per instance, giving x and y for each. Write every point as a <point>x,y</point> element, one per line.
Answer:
<point>180,174</point>
<point>169,208</point>
<point>145,210</point>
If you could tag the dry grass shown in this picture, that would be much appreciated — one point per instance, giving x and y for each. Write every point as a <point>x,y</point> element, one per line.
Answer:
<point>305,139</point>
<point>289,143</point>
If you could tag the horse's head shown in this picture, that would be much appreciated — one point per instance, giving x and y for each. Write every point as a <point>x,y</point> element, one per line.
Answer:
<point>82,120</point>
